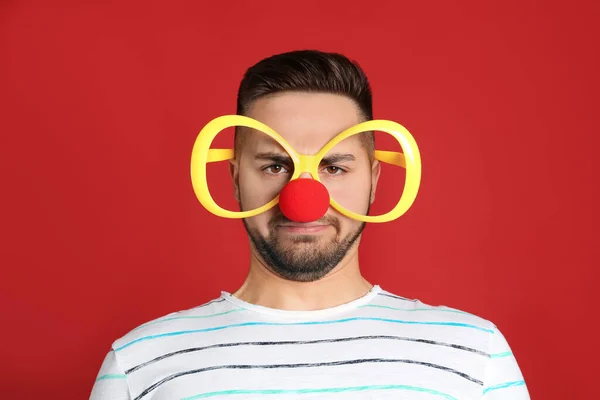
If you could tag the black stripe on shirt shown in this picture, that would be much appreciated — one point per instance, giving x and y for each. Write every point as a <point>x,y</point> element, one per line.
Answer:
<point>305,365</point>
<point>302,342</point>
<point>393,296</point>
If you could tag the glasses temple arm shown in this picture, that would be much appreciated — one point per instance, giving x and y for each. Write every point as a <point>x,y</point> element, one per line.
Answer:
<point>215,155</point>
<point>391,157</point>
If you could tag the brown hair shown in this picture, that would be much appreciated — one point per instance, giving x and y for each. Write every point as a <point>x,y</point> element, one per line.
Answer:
<point>308,71</point>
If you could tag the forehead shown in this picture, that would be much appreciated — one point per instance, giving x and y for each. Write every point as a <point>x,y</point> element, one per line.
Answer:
<point>305,120</point>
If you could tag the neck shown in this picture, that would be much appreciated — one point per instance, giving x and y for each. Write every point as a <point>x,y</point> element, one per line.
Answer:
<point>342,285</point>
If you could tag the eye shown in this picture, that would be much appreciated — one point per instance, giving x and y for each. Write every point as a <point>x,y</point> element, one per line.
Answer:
<point>333,170</point>
<point>275,169</point>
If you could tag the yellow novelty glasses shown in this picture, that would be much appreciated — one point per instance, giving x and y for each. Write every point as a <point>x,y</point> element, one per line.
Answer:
<point>202,154</point>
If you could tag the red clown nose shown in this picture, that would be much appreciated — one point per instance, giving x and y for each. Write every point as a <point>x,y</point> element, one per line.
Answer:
<point>304,200</point>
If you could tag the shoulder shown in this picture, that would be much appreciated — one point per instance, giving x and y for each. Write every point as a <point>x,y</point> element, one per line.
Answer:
<point>432,314</point>
<point>470,333</point>
<point>171,324</point>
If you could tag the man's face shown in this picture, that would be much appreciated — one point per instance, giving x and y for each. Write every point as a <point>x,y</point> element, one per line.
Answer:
<point>307,121</point>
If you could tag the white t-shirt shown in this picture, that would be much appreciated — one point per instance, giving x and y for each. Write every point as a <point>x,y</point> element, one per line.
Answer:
<point>380,346</point>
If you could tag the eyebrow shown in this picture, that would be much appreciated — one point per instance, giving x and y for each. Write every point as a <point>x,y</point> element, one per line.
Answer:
<point>283,158</point>
<point>280,158</point>
<point>337,158</point>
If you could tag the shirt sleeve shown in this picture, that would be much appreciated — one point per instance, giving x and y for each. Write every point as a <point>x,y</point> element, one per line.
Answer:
<point>503,377</point>
<point>111,382</point>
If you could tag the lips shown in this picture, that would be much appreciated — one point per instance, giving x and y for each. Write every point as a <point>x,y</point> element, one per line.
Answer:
<point>303,228</point>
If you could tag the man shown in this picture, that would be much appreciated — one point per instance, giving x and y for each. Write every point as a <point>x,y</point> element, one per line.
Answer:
<point>306,324</point>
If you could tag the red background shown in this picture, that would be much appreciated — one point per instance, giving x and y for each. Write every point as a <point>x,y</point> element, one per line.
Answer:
<point>101,103</point>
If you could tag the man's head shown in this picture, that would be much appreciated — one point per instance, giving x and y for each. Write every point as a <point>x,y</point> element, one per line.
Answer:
<point>307,71</point>
<point>308,97</point>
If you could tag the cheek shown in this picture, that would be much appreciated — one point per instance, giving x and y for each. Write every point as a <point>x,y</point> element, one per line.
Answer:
<point>260,222</point>
<point>256,189</point>
<point>347,225</point>
<point>353,194</point>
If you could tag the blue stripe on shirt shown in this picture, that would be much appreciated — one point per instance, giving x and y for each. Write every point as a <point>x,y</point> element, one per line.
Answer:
<point>111,376</point>
<point>324,390</point>
<point>457,324</point>
<point>504,385</point>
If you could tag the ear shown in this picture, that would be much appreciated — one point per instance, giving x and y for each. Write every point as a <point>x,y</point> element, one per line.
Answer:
<point>375,172</point>
<point>234,172</point>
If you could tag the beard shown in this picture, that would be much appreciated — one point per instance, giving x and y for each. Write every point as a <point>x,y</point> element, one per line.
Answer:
<point>304,260</point>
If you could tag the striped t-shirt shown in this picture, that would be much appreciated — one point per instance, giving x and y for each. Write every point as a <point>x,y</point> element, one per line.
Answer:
<point>380,346</point>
